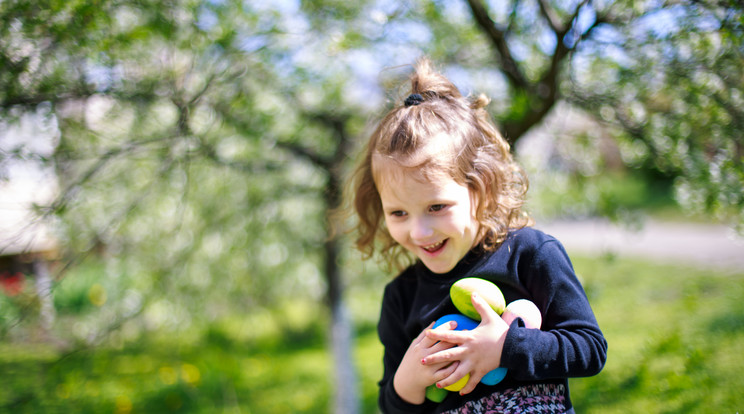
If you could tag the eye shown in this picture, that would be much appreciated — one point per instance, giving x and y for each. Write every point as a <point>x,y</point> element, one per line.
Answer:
<point>437,207</point>
<point>398,213</point>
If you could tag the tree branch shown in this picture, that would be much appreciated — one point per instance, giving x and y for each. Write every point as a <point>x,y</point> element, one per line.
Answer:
<point>255,167</point>
<point>337,123</point>
<point>102,161</point>
<point>561,30</point>
<point>306,153</point>
<point>498,39</point>
<point>334,121</point>
<point>547,86</point>
<point>550,15</point>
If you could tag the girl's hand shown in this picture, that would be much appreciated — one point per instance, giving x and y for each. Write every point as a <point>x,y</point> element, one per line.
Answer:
<point>477,351</point>
<point>412,376</point>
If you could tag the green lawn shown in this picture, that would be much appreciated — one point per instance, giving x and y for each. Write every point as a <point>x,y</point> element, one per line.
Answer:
<point>675,339</point>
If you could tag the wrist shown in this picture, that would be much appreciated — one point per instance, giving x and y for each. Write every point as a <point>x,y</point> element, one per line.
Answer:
<point>408,391</point>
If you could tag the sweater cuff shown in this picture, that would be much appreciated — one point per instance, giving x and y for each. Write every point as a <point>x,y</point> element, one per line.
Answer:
<point>396,405</point>
<point>516,336</point>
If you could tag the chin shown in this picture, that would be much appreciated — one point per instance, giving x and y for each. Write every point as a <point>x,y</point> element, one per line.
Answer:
<point>439,268</point>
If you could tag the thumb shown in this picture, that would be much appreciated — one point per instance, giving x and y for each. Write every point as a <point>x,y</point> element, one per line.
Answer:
<point>483,308</point>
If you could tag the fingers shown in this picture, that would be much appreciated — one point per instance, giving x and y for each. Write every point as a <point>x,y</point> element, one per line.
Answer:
<point>449,326</point>
<point>455,376</point>
<point>483,308</point>
<point>427,341</point>
<point>459,353</point>
<point>443,353</point>
<point>446,371</point>
<point>422,340</point>
<point>451,336</point>
<point>471,384</point>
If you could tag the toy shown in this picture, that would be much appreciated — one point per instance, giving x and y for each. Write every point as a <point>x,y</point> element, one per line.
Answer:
<point>436,394</point>
<point>520,308</point>
<point>494,376</point>
<point>463,324</point>
<point>524,309</point>
<point>460,294</point>
<point>463,289</point>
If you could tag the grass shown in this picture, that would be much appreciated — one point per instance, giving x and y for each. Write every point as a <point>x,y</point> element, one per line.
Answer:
<point>675,337</point>
<point>167,375</point>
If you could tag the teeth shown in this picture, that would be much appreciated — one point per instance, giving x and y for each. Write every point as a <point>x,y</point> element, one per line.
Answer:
<point>433,247</point>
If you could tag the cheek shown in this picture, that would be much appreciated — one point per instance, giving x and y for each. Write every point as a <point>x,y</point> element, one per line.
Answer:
<point>465,218</point>
<point>393,229</point>
<point>467,225</point>
<point>473,218</point>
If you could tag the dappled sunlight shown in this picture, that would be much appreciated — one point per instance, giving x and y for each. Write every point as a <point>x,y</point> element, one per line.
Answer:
<point>660,317</point>
<point>168,173</point>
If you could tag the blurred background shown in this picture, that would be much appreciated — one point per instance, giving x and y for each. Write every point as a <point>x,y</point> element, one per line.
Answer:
<point>167,169</point>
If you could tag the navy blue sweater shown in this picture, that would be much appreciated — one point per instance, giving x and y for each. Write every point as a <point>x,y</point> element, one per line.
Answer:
<point>528,265</point>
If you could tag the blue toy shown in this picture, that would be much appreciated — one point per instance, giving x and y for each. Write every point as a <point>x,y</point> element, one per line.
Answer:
<point>464,324</point>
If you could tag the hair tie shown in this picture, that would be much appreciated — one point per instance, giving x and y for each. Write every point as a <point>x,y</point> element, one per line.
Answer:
<point>414,99</point>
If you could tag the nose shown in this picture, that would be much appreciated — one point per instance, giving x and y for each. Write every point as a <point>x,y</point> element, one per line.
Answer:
<point>421,229</point>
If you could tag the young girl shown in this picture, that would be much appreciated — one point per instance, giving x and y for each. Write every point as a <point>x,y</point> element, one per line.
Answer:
<point>438,185</point>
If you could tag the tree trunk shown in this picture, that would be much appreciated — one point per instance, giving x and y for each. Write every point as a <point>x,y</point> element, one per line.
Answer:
<point>346,398</point>
<point>43,284</point>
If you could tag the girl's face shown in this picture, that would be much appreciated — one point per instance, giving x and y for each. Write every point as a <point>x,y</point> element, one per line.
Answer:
<point>433,218</point>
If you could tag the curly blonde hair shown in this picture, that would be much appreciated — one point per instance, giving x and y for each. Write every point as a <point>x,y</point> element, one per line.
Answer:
<point>475,155</point>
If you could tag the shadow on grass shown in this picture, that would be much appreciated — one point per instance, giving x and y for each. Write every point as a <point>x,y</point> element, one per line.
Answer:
<point>167,375</point>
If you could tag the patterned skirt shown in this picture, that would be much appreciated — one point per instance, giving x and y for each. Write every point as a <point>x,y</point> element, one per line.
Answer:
<point>538,398</point>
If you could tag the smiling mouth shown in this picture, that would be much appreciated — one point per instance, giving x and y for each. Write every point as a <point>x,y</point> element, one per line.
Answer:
<point>433,248</point>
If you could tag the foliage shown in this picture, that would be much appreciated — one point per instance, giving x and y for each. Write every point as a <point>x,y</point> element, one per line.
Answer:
<point>185,149</point>
<point>168,155</point>
<point>660,78</point>
<point>674,335</point>
<point>668,75</point>
<point>197,146</point>
<point>208,139</point>
<point>626,197</point>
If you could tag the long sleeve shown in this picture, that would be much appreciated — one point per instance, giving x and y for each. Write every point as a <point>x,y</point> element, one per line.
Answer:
<point>396,339</point>
<point>528,265</point>
<point>570,343</point>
